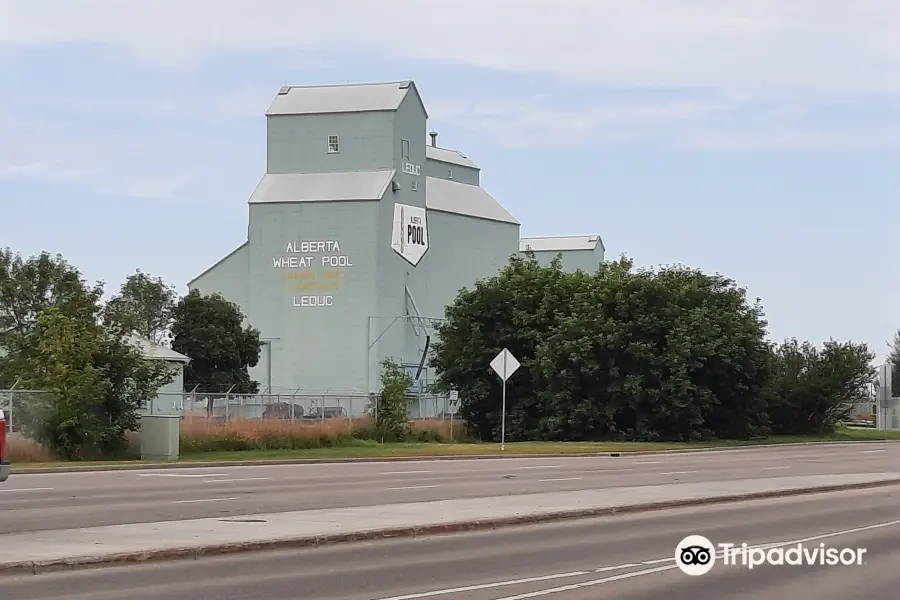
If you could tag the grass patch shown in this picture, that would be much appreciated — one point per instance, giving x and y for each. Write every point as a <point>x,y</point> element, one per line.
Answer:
<point>203,441</point>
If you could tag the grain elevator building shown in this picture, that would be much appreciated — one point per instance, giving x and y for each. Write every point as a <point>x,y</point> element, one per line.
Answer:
<point>360,233</point>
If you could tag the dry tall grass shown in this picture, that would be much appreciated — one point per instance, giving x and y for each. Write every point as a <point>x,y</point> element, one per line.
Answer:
<point>24,450</point>
<point>199,435</point>
<point>202,427</point>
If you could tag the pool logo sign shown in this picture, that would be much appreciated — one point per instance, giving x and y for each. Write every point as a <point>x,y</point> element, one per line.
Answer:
<point>695,555</point>
<point>409,237</point>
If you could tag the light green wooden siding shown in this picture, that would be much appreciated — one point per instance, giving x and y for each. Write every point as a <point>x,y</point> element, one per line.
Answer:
<point>395,338</point>
<point>299,143</point>
<point>318,348</point>
<point>227,277</point>
<point>574,260</point>
<point>167,400</point>
<point>457,173</point>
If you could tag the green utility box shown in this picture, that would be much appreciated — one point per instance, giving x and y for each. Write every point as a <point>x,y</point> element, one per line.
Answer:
<point>160,437</point>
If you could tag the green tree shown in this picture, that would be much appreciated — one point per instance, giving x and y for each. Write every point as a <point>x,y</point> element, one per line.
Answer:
<point>812,390</point>
<point>517,309</point>
<point>210,330</point>
<point>674,354</point>
<point>27,286</point>
<point>144,305</point>
<point>671,354</point>
<point>392,410</point>
<point>95,384</point>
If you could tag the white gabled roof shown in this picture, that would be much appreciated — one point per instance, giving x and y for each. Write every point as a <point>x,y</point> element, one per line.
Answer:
<point>153,351</point>
<point>325,99</point>
<point>560,243</point>
<point>464,199</point>
<point>322,187</point>
<point>453,157</point>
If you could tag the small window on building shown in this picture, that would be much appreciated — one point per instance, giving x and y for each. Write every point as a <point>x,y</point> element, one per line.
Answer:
<point>334,145</point>
<point>415,185</point>
<point>449,173</point>
<point>404,149</point>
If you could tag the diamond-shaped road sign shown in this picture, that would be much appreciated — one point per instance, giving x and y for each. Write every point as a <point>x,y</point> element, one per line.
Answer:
<point>505,364</point>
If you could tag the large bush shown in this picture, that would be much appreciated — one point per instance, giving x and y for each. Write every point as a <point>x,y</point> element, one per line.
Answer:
<point>812,389</point>
<point>94,382</point>
<point>52,340</point>
<point>518,310</point>
<point>670,354</point>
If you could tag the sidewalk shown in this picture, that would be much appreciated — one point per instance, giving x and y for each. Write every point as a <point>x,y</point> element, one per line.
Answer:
<point>71,548</point>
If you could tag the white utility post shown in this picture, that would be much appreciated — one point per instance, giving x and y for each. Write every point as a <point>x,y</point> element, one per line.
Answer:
<point>883,397</point>
<point>504,365</point>
<point>454,402</point>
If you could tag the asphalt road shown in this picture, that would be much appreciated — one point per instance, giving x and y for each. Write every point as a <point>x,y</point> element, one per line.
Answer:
<point>627,557</point>
<point>71,500</point>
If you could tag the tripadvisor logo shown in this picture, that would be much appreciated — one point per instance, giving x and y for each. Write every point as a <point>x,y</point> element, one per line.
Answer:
<point>697,555</point>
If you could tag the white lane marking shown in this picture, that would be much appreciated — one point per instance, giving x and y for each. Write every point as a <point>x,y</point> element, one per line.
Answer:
<point>27,490</point>
<point>237,479</point>
<point>412,487</point>
<point>679,472</point>
<point>585,584</point>
<point>183,475</point>
<point>649,462</point>
<point>578,586</point>
<point>560,479</point>
<point>600,471</point>
<point>618,567</point>
<point>204,500</point>
<point>775,468</point>
<point>486,586</point>
<point>871,451</point>
<point>540,467</point>
<point>405,472</point>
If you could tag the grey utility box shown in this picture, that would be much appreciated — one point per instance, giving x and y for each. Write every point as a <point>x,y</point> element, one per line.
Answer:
<point>160,437</point>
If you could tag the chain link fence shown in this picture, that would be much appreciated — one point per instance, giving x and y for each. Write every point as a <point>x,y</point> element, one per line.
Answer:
<point>15,404</point>
<point>305,407</point>
<point>301,406</point>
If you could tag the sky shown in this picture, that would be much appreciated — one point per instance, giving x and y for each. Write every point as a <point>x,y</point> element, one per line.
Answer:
<point>759,139</point>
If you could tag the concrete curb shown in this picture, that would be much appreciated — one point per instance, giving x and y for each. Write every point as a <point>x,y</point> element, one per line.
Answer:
<point>194,553</point>
<point>376,459</point>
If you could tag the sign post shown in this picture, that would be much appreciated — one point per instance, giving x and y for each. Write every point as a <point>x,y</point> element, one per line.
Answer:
<point>504,365</point>
<point>883,396</point>
<point>454,402</point>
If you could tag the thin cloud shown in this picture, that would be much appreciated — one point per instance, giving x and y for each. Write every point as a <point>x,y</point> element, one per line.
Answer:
<point>760,46</point>
<point>707,125</point>
<point>39,150</point>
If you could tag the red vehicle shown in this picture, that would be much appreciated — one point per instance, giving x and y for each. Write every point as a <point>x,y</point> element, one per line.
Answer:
<point>4,450</point>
